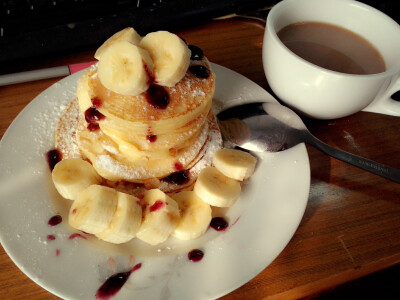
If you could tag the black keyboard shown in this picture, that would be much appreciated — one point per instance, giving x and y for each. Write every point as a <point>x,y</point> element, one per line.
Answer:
<point>31,28</point>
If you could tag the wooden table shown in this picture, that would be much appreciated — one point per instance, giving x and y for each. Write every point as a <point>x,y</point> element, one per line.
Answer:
<point>351,226</point>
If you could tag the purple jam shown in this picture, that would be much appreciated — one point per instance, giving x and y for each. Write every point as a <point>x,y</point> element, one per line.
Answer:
<point>179,177</point>
<point>55,220</point>
<point>114,283</point>
<point>219,224</point>
<point>197,53</point>
<point>53,157</point>
<point>157,96</point>
<point>195,255</point>
<point>92,115</point>
<point>199,71</point>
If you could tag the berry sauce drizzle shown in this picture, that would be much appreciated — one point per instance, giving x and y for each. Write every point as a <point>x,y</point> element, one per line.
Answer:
<point>92,115</point>
<point>178,166</point>
<point>55,220</point>
<point>151,138</point>
<point>157,205</point>
<point>76,235</point>
<point>96,102</point>
<point>93,127</point>
<point>199,71</point>
<point>195,255</point>
<point>157,96</point>
<point>180,177</point>
<point>197,53</point>
<point>114,283</point>
<point>219,224</point>
<point>53,157</point>
<point>51,237</point>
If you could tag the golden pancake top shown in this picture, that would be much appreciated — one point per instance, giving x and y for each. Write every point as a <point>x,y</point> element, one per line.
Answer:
<point>186,100</point>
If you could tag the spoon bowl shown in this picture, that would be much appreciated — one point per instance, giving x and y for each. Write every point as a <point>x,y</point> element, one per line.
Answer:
<point>271,127</point>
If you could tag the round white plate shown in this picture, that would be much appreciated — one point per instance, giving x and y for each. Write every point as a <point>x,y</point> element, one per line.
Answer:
<point>262,222</point>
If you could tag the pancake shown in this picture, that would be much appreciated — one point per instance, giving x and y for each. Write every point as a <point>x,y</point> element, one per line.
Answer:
<point>137,146</point>
<point>67,143</point>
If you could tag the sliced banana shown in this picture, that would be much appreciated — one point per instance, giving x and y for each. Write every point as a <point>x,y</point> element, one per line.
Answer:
<point>93,209</point>
<point>195,216</point>
<point>170,54</point>
<point>216,189</point>
<point>234,163</point>
<point>125,222</point>
<point>71,176</point>
<point>128,34</point>
<point>159,218</point>
<point>125,69</point>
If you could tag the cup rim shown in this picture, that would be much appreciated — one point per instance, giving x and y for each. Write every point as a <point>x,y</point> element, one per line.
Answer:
<point>271,29</point>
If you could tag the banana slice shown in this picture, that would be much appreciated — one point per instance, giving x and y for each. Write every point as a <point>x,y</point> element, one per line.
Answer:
<point>215,188</point>
<point>195,216</point>
<point>159,218</point>
<point>170,54</point>
<point>128,34</point>
<point>125,69</point>
<point>93,209</point>
<point>125,222</point>
<point>71,176</point>
<point>234,163</point>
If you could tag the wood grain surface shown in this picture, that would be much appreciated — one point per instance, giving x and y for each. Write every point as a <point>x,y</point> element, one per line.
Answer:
<point>351,226</point>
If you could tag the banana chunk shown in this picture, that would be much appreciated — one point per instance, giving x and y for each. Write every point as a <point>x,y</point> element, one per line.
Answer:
<point>71,176</point>
<point>128,34</point>
<point>93,209</point>
<point>125,222</point>
<point>160,217</point>
<point>235,164</point>
<point>170,54</point>
<point>216,189</point>
<point>195,216</point>
<point>125,69</point>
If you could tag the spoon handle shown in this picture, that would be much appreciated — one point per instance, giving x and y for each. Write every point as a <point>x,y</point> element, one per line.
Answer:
<point>355,160</point>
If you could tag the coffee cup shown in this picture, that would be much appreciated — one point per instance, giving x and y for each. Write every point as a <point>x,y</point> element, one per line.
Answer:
<point>316,91</point>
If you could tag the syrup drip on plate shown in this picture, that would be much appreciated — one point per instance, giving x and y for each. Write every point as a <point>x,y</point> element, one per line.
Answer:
<point>219,224</point>
<point>53,157</point>
<point>114,283</point>
<point>195,255</point>
<point>55,220</point>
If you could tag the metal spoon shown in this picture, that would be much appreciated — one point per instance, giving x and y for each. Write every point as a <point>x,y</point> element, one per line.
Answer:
<point>265,126</point>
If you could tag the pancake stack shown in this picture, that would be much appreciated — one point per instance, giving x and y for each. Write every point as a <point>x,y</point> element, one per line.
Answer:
<point>151,131</point>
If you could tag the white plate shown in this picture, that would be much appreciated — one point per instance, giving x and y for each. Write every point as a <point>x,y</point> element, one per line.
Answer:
<point>262,221</point>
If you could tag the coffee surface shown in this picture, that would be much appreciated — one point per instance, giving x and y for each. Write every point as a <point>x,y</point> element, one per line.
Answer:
<point>332,47</point>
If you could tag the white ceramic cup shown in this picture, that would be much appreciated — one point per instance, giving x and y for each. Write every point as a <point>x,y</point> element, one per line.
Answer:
<point>320,93</point>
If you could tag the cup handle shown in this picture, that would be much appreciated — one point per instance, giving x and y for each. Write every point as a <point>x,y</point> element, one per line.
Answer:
<point>383,102</point>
